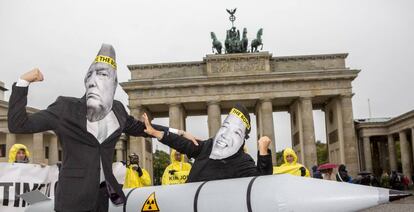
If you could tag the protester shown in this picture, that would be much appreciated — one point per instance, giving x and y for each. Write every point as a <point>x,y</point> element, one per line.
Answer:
<point>316,173</point>
<point>136,176</point>
<point>221,157</point>
<point>19,154</point>
<point>177,172</point>
<point>87,127</point>
<point>342,175</point>
<point>385,180</point>
<point>406,182</point>
<point>396,181</point>
<point>290,165</point>
<point>367,178</point>
<point>327,174</point>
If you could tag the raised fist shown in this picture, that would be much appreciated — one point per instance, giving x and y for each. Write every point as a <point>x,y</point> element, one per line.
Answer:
<point>263,144</point>
<point>33,76</point>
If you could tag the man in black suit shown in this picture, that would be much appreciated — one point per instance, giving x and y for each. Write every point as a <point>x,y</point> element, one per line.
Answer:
<point>88,129</point>
<point>221,157</point>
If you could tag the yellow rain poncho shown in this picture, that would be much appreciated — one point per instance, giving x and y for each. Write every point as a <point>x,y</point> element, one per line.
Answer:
<point>290,168</point>
<point>132,180</point>
<point>13,152</point>
<point>180,175</point>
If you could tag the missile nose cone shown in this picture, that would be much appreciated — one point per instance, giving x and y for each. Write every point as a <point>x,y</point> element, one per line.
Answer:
<point>396,195</point>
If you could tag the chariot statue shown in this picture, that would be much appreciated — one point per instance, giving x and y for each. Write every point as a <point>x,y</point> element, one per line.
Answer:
<point>234,43</point>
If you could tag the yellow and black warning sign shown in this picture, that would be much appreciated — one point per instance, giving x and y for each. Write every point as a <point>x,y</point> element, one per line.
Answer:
<point>150,205</point>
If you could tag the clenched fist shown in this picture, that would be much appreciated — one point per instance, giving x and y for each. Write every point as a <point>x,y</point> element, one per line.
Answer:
<point>33,76</point>
<point>263,144</point>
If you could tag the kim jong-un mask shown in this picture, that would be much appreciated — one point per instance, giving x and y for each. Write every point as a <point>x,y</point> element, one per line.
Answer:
<point>232,133</point>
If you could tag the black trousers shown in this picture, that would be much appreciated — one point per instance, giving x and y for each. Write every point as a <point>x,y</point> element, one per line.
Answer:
<point>103,199</point>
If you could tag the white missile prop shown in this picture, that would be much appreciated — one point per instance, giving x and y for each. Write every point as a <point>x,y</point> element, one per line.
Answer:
<point>264,193</point>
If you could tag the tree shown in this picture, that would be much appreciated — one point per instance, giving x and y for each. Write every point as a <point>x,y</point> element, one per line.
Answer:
<point>279,158</point>
<point>321,152</point>
<point>160,160</point>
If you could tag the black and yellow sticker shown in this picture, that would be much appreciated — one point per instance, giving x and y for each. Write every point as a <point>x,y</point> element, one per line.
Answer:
<point>150,205</point>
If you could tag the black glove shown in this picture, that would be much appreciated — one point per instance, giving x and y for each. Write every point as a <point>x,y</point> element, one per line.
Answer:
<point>139,170</point>
<point>302,171</point>
<point>172,171</point>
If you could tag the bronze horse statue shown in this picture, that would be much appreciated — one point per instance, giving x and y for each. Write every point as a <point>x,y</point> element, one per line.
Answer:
<point>258,41</point>
<point>216,43</point>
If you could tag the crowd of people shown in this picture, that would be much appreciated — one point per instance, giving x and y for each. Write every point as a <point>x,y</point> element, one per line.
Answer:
<point>177,172</point>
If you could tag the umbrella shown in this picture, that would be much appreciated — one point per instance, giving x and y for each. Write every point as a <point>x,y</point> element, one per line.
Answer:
<point>327,166</point>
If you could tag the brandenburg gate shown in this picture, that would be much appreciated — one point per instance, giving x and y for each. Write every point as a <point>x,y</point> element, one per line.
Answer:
<point>264,84</point>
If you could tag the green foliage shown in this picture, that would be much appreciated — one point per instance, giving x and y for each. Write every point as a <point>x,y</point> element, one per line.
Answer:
<point>321,152</point>
<point>160,161</point>
<point>279,158</point>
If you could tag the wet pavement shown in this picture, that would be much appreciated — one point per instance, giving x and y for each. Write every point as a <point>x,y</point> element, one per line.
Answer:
<point>403,205</point>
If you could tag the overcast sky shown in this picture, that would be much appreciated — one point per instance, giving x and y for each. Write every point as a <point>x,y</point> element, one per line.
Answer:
<point>63,37</point>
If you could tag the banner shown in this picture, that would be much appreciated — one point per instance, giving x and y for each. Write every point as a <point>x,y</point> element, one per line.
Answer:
<point>19,178</point>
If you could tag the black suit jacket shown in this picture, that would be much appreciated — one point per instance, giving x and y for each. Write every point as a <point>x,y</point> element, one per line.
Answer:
<point>204,168</point>
<point>79,175</point>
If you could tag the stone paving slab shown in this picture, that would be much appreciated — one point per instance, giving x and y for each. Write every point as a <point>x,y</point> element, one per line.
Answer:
<point>403,205</point>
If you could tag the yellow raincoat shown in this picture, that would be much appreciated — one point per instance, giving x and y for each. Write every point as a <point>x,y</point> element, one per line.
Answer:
<point>182,170</point>
<point>132,180</point>
<point>13,152</point>
<point>290,168</point>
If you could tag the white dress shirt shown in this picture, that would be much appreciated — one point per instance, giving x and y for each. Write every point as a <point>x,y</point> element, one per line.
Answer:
<point>101,129</point>
<point>105,127</point>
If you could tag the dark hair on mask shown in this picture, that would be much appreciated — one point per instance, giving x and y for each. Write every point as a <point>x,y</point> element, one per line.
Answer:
<point>245,112</point>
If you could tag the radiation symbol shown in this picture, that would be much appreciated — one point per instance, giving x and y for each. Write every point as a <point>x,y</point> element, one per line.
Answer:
<point>150,204</point>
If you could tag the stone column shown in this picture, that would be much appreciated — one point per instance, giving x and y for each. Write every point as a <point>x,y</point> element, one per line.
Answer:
<point>267,124</point>
<point>308,132</point>
<point>350,145</point>
<point>119,150</point>
<point>334,131</point>
<point>138,144</point>
<point>405,154</point>
<point>10,141</point>
<point>183,116</point>
<point>258,113</point>
<point>38,153</point>
<point>383,156</point>
<point>412,143</point>
<point>135,143</point>
<point>392,154</point>
<point>367,154</point>
<point>53,150</point>
<point>176,116</point>
<point>214,117</point>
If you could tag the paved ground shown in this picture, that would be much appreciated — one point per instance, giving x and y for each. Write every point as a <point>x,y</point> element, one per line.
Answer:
<point>403,205</point>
